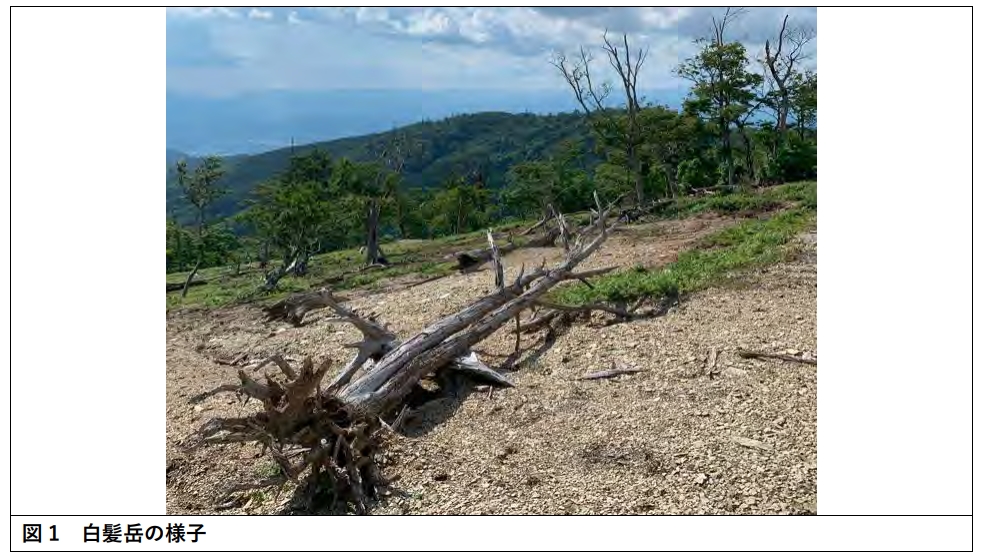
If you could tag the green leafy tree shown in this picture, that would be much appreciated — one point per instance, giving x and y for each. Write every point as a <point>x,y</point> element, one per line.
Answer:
<point>460,206</point>
<point>612,181</point>
<point>722,87</point>
<point>696,173</point>
<point>557,181</point>
<point>201,189</point>
<point>805,102</point>
<point>670,138</point>
<point>530,188</point>
<point>293,212</point>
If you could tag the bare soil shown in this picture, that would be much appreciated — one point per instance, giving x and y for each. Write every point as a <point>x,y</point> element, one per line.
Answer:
<point>672,439</point>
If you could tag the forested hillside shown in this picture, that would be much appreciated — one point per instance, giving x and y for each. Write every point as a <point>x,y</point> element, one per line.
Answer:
<point>482,143</point>
<point>736,129</point>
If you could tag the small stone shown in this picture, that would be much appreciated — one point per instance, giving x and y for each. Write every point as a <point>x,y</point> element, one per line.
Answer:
<point>198,409</point>
<point>700,479</point>
<point>506,451</point>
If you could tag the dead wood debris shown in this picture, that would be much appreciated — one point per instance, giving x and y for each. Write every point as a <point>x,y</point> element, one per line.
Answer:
<point>334,433</point>
<point>610,373</point>
<point>747,354</point>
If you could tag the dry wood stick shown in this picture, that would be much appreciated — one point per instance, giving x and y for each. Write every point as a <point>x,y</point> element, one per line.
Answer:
<point>610,373</point>
<point>746,354</point>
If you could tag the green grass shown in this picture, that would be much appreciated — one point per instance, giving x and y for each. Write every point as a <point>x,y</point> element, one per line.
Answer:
<point>267,469</point>
<point>337,270</point>
<point>747,202</point>
<point>426,257</point>
<point>749,244</point>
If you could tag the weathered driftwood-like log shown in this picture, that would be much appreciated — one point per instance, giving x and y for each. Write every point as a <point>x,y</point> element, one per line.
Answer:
<point>333,431</point>
<point>294,308</point>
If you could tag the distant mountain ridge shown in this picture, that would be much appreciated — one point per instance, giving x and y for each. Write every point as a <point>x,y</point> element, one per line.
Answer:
<point>488,142</point>
<point>258,122</point>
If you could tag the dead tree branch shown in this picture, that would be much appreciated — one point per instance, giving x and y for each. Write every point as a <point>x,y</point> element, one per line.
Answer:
<point>746,354</point>
<point>333,432</point>
<point>610,373</point>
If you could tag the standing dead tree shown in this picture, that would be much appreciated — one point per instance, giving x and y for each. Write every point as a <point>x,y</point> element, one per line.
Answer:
<point>606,122</point>
<point>333,432</point>
<point>781,64</point>
<point>392,159</point>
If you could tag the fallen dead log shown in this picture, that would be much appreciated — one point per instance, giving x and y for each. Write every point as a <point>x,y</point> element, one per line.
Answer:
<point>746,354</point>
<point>471,260</point>
<point>610,373</point>
<point>330,433</point>
<point>539,322</point>
<point>181,285</point>
<point>534,227</point>
<point>294,308</point>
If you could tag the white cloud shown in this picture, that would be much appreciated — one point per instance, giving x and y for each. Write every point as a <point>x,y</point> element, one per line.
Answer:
<point>228,13</point>
<point>254,13</point>
<point>423,48</point>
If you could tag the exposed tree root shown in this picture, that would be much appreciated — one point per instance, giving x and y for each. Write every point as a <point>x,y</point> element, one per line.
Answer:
<point>326,435</point>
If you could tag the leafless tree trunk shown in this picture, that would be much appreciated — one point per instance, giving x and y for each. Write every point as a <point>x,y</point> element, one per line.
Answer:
<point>719,36</point>
<point>372,252</point>
<point>782,64</point>
<point>188,280</point>
<point>200,248</point>
<point>628,71</point>
<point>748,153</point>
<point>333,432</point>
<point>591,98</point>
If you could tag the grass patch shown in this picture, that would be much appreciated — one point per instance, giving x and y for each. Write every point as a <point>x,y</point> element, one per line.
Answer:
<point>749,244</point>
<point>267,469</point>
<point>339,270</point>
<point>748,202</point>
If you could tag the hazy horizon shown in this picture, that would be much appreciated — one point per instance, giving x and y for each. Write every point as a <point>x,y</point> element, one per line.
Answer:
<point>249,80</point>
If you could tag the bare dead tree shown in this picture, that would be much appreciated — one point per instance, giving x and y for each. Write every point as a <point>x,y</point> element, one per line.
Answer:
<point>591,99</point>
<point>782,65</point>
<point>391,160</point>
<point>719,24</point>
<point>629,70</point>
<point>333,432</point>
<point>719,37</point>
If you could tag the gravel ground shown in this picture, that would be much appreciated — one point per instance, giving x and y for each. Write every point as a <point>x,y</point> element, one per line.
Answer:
<point>671,439</point>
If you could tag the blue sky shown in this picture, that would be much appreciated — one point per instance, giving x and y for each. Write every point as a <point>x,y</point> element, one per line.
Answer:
<point>470,58</point>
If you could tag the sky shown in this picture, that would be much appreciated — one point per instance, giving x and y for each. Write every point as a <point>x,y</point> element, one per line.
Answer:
<point>250,79</point>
